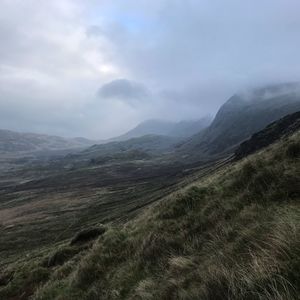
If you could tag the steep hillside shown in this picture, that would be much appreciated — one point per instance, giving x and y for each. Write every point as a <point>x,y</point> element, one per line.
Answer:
<point>14,142</point>
<point>234,234</point>
<point>241,116</point>
<point>273,132</point>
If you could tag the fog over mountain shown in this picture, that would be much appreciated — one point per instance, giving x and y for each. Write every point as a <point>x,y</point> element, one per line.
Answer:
<point>159,127</point>
<point>98,68</point>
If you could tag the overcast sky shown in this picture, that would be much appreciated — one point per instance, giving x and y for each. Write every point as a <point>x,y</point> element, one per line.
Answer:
<point>97,68</point>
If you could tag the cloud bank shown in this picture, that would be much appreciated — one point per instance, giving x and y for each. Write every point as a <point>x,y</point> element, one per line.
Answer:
<point>96,68</point>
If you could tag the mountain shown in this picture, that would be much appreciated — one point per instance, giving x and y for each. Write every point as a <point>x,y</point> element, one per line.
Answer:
<point>241,116</point>
<point>159,127</point>
<point>143,147</point>
<point>155,127</point>
<point>188,128</point>
<point>15,142</point>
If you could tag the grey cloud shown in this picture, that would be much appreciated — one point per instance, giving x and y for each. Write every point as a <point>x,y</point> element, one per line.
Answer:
<point>125,90</point>
<point>196,40</point>
<point>94,31</point>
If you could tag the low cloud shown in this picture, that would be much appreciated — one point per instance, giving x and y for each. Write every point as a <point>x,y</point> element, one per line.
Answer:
<point>125,90</point>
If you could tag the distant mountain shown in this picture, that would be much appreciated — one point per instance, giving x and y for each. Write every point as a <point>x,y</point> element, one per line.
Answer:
<point>188,128</point>
<point>155,127</point>
<point>160,127</point>
<point>241,116</point>
<point>15,142</point>
<point>143,146</point>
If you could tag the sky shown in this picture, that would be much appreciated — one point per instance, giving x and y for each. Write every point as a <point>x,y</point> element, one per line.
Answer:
<point>97,68</point>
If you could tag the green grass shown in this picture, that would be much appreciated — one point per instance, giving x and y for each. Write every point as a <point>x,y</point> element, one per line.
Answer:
<point>232,235</point>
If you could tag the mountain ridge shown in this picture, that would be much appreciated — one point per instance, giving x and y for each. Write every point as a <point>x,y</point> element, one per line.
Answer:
<point>19,142</point>
<point>238,118</point>
<point>182,129</point>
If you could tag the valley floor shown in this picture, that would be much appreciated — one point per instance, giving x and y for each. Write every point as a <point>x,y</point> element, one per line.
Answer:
<point>38,213</point>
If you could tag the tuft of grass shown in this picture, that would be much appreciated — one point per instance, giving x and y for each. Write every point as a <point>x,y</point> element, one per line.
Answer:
<point>24,282</point>
<point>87,235</point>
<point>293,150</point>
<point>60,256</point>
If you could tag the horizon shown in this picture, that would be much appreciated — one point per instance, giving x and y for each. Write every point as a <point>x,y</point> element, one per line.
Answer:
<point>112,137</point>
<point>209,117</point>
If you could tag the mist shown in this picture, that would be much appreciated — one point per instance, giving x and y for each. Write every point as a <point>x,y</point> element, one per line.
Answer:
<point>98,68</point>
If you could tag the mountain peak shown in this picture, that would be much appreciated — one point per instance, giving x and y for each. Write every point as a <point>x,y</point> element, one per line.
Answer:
<point>242,115</point>
<point>182,129</point>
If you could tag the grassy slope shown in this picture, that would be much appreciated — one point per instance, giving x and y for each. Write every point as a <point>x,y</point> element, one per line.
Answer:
<point>232,235</point>
<point>37,213</point>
